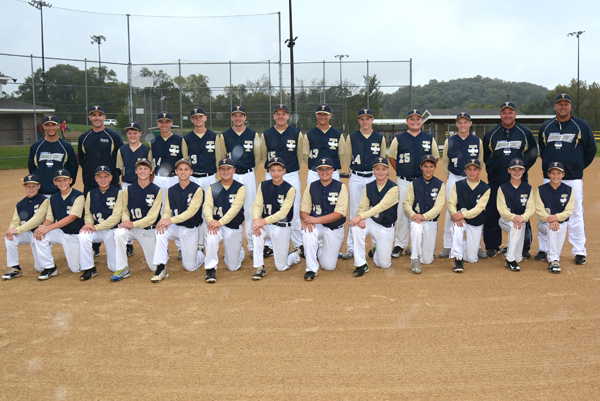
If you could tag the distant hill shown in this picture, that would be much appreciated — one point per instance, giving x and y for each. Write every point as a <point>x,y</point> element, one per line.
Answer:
<point>477,92</point>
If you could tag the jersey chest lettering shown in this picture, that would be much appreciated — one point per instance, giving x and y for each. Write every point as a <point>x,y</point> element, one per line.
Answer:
<point>508,146</point>
<point>174,150</point>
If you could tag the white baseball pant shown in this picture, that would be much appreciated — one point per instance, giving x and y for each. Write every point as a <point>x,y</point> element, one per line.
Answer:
<point>322,244</point>
<point>205,183</point>
<point>314,176</point>
<point>70,244</point>
<point>452,179</point>
<point>86,253</point>
<point>280,236</point>
<point>294,180</point>
<point>402,224</point>
<point>165,183</point>
<point>12,249</point>
<point>356,186</point>
<point>123,186</point>
<point>553,241</point>
<point>462,250</point>
<point>146,238</point>
<point>422,237</point>
<point>191,259</point>
<point>249,181</point>
<point>232,246</point>
<point>383,236</point>
<point>516,238</point>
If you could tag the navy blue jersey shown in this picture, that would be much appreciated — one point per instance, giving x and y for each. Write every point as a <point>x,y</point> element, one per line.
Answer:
<point>140,201</point>
<point>283,145</point>
<point>324,144</point>
<point>131,157</point>
<point>61,208</point>
<point>460,151</point>
<point>222,200</point>
<point>468,198</point>
<point>410,151</point>
<point>179,201</point>
<point>324,201</point>
<point>501,145</point>
<point>27,207</point>
<point>389,216</point>
<point>201,151</point>
<point>165,153</point>
<point>426,193</point>
<point>571,142</point>
<point>46,157</point>
<point>102,204</point>
<point>365,150</point>
<point>99,149</point>
<point>555,200</point>
<point>273,198</point>
<point>516,198</point>
<point>240,148</point>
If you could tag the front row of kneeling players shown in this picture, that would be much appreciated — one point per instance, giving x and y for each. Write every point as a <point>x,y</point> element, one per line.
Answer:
<point>68,219</point>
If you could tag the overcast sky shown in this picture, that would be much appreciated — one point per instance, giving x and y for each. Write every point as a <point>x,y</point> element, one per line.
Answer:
<point>510,40</point>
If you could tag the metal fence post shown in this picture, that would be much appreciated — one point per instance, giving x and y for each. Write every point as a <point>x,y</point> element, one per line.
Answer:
<point>87,127</point>
<point>180,103</point>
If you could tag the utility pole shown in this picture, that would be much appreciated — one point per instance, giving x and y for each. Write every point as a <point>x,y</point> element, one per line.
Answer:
<point>98,39</point>
<point>290,43</point>
<point>40,5</point>
<point>578,33</point>
<point>342,97</point>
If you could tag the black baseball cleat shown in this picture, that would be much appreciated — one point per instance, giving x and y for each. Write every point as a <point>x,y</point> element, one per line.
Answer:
<point>458,266</point>
<point>88,274</point>
<point>372,252</point>
<point>211,276</point>
<point>541,255</point>
<point>580,259</point>
<point>360,270</point>
<point>503,250</point>
<point>301,247</point>
<point>130,250</point>
<point>259,273</point>
<point>13,272</point>
<point>492,253</point>
<point>47,273</point>
<point>397,251</point>
<point>513,266</point>
<point>309,276</point>
<point>267,252</point>
<point>526,254</point>
<point>554,267</point>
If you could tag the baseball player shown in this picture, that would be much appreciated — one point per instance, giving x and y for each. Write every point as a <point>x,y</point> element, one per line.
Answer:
<point>142,202</point>
<point>324,141</point>
<point>49,154</point>
<point>501,144</point>
<point>458,149</point>
<point>467,205</point>
<point>103,208</point>
<point>422,204</point>
<point>515,205</point>
<point>376,216</point>
<point>182,214</point>
<point>243,147</point>
<point>29,214</point>
<point>64,219</point>
<point>323,214</point>
<point>272,213</point>
<point>224,215</point>
<point>285,142</point>
<point>363,148</point>
<point>127,157</point>
<point>406,150</point>
<point>554,204</point>
<point>568,140</point>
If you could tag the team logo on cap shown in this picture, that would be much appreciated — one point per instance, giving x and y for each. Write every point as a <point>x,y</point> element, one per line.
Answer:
<point>555,164</point>
<point>60,171</point>
<point>365,111</point>
<point>131,125</point>
<point>237,108</point>
<point>517,162</point>
<point>280,106</point>
<point>323,107</point>
<point>102,168</point>
<point>29,177</point>
<point>223,161</point>
<point>164,115</point>
<point>195,110</point>
<point>96,107</point>
<point>462,114</point>
<point>323,161</point>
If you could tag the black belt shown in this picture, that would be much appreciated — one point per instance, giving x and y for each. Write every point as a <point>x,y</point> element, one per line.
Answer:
<point>152,227</point>
<point>335,228</point>
<point>363,174</point>
<point>389,225</point>
<point>244,171</point>
<point>406,179</point>
<point>201,175</point>
<point>278,224</point>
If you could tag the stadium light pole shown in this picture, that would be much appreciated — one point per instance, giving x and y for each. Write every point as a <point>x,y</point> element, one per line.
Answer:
<point>98,39</point>
<point>578,33</point>
<point>341,57</point>
<point>291,42</point>
<point>40,5</point>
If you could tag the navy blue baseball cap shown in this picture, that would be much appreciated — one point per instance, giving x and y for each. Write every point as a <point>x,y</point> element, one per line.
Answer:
<point>473,162</point>
<point>50,119</point>
<point>186,161</point>
<point>413,112</point>
<point>102,169</point>
<point>508,104</point>
<point>323,108</point>
<point>325,162</point>
<point>144,162</point>
<point>133,126</point>
<point>165,115</point>
<point>516,163</point>
<point>281,106</point>
<point>197,111</point>
<point>240,109</point>
<point>463,115</point>
<point>62,173</point>
<point>382,161</point>
<point>556,165</point>
<point>365,112</point>
<point>226,162</point>
<point>276,160</point>
<point>31,178</point>
<point>428,158</point>
<point>96,108</point>
<point>563,96</point>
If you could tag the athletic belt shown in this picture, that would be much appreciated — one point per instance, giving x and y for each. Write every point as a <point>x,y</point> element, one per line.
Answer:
<point>342,226</point>
<point>388,226</point>
<point>201,175</point>
<point>152,227</point>
<point>406,178</point>
<point>172,174</point>
<point>278,224</point>
<point>244,171</point>
<point>363,174</point>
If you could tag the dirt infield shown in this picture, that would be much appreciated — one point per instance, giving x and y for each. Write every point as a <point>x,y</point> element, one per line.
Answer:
<point>488,334</point>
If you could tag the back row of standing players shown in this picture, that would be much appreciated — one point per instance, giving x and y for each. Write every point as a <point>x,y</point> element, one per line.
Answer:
<point>565,139</point>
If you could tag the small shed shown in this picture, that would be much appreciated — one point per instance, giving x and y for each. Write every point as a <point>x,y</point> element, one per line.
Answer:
<point>17,123</point>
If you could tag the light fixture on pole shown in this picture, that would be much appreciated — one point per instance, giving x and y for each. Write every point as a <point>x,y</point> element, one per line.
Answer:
<point>578,33</point>
<point>40,5</point>
<point>291,42</point>
<point>98,39</point>
<point>341,57</point>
